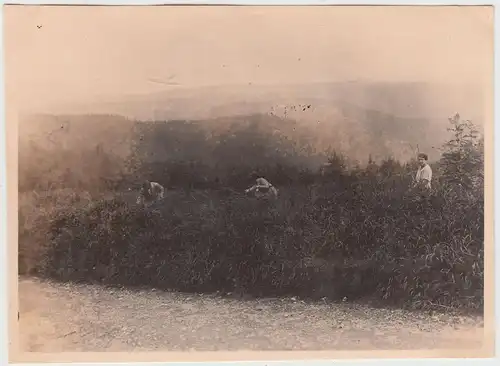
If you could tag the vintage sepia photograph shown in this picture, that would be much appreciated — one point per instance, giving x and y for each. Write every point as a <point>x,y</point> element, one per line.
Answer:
<point>250,178</point>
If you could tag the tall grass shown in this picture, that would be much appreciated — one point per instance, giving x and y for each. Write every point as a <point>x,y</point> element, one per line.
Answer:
<point>351,233</point>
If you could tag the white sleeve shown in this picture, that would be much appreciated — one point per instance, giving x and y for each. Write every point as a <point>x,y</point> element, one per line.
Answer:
<point>426,173</point>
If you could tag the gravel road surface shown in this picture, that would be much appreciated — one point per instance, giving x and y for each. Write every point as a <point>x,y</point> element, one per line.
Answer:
<point>66,317</point>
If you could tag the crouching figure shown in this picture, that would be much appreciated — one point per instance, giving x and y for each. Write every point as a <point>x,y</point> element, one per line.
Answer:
<point>150,193</point>
<point>262,188</point>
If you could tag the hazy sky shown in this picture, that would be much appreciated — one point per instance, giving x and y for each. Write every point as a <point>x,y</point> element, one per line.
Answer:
<point>86,53</point>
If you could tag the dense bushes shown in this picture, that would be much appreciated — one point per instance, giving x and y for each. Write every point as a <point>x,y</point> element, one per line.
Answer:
<point>346,233</point>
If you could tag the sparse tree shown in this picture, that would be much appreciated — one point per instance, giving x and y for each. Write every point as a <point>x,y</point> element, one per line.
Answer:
<point>462,161</point>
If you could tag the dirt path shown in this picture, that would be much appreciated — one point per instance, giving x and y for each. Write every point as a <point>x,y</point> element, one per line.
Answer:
<point>55,318</point>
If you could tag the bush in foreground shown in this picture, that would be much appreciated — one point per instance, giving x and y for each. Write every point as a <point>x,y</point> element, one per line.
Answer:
<point>345,243</point>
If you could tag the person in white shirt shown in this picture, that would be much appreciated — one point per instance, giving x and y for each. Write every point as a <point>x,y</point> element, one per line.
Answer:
<point>423,177</point>
<point>262,188</point>
<point>150,192</point>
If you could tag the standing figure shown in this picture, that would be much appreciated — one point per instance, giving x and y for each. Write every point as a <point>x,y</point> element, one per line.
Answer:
<point>262,188</point>
<point>150,192</point>
<point>424,173</point>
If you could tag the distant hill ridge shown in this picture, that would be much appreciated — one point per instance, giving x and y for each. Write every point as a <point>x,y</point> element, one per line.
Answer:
<point>357,134</point>
<point>356,118</point>
<point>410,99</point>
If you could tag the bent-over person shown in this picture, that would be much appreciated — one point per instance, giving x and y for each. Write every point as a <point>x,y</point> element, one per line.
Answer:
<point>262,188</point>
<point>150,192</point>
